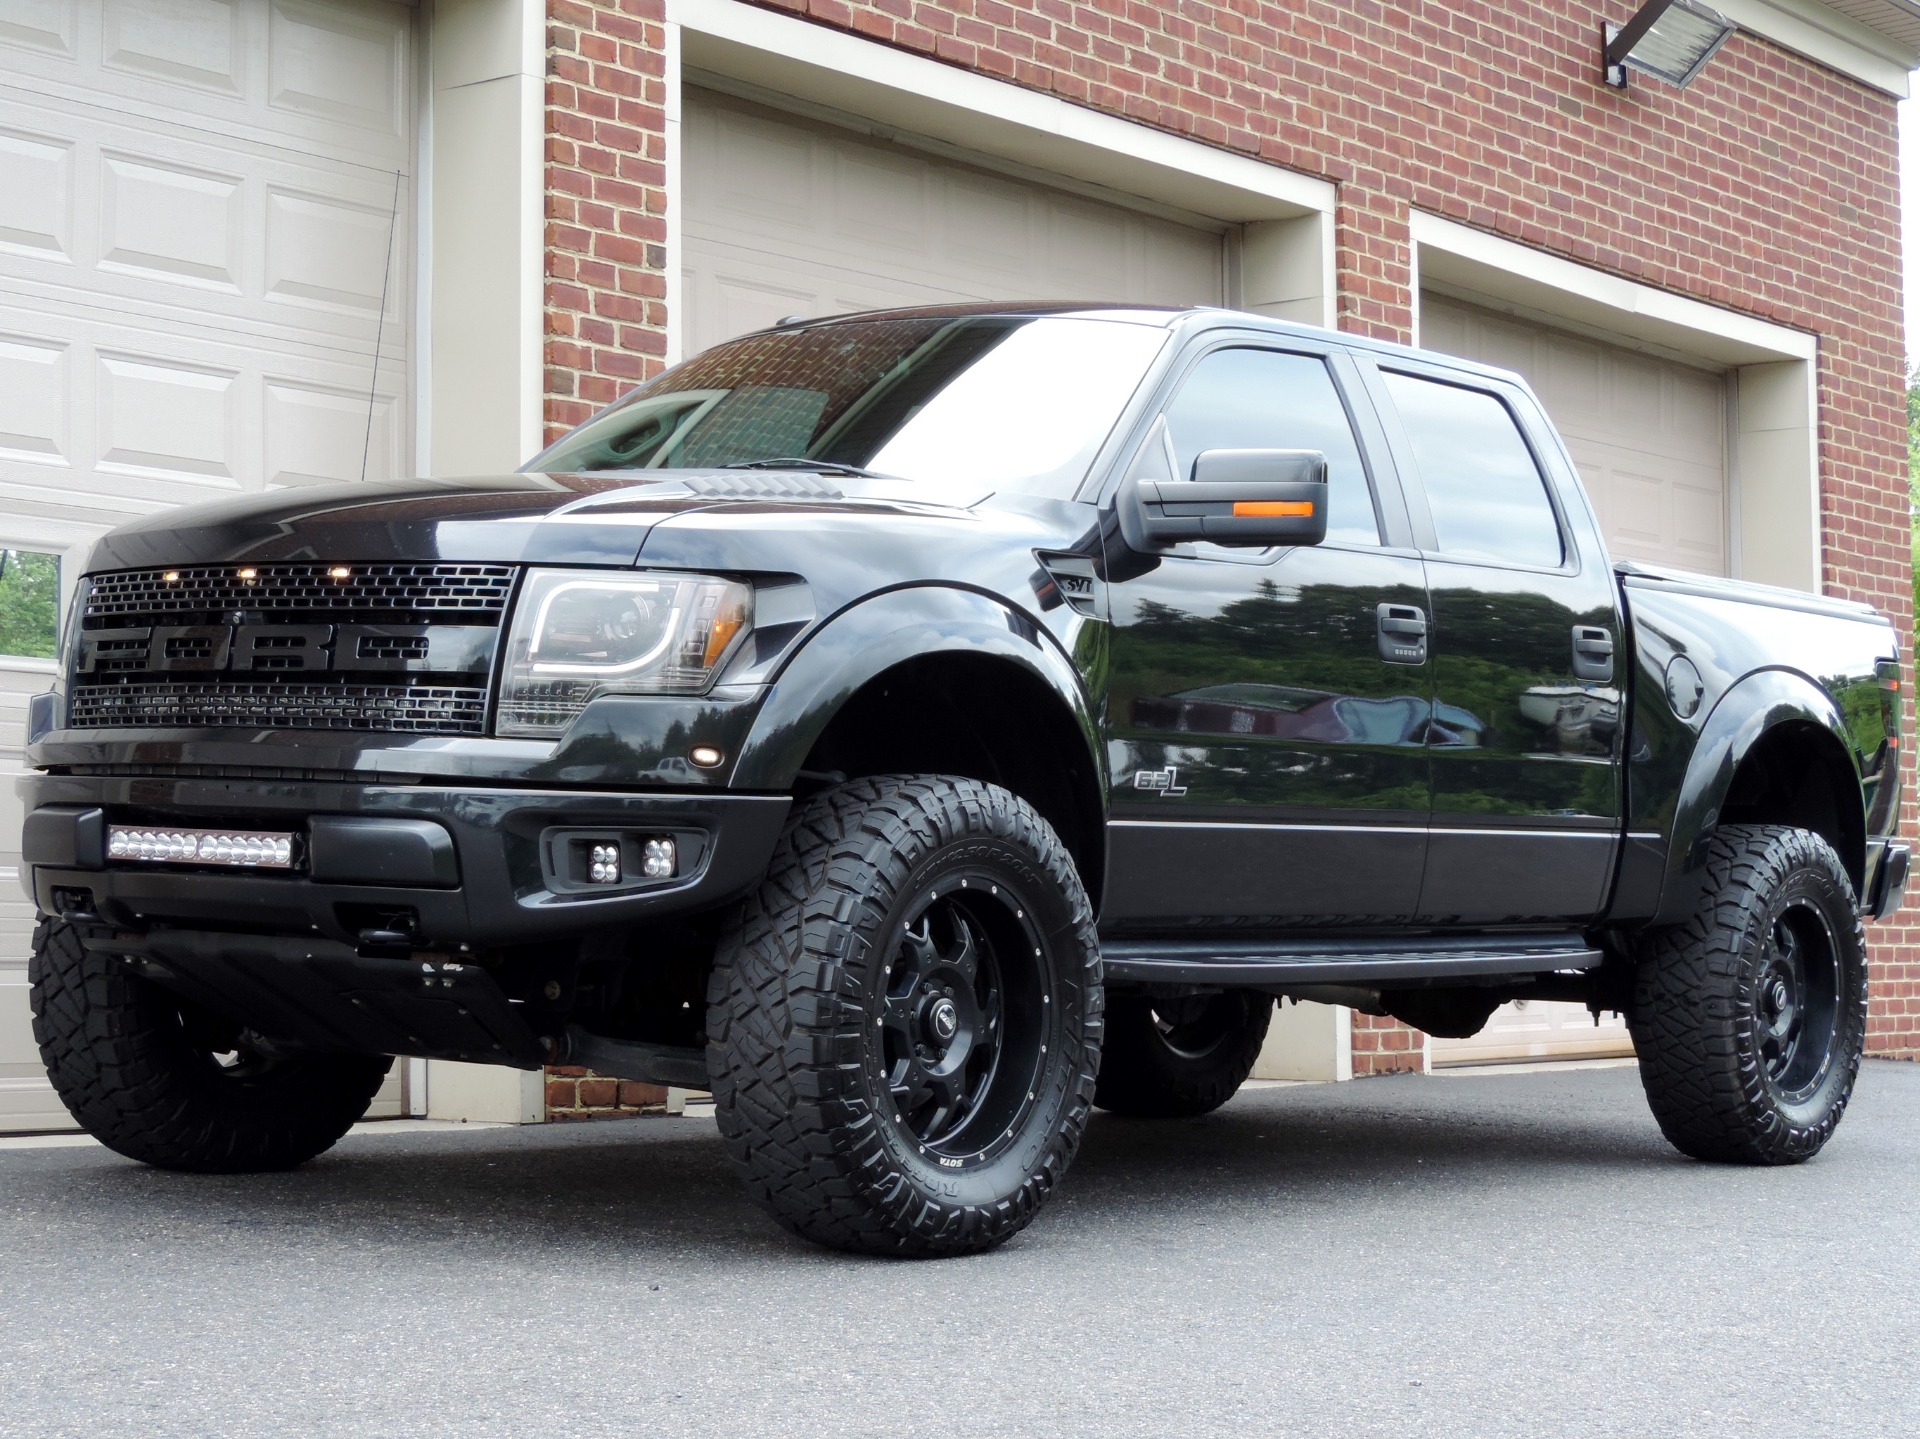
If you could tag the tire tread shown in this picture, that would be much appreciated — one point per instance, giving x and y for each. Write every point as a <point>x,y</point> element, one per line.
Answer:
<point>1691,1005</point>
<point>785,1017</point>
<point>114,1052</point>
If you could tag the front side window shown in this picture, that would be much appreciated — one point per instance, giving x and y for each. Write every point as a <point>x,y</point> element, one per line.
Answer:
<point>1014,402</point>
<point>1488,497</point>
<point>1245,399</point>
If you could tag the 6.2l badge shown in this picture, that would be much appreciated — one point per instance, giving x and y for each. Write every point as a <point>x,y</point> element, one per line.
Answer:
<point>1163,782</point>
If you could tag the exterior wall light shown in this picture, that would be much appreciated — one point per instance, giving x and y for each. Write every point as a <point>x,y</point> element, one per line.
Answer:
<point>1671,40</point>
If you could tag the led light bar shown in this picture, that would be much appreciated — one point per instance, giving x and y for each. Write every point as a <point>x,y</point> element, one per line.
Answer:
<point>238,848</point>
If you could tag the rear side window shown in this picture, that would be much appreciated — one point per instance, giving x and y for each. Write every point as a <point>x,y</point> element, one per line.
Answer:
<point>1269,400</point>
<point>1488,497</point>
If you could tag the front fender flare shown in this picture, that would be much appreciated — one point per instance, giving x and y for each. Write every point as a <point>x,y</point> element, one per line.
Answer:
<point>1754,706</point>
<point>866,639</point>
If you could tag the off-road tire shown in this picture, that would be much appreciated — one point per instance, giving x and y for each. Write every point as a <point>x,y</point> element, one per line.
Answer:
<point>1174,1059</point>
<point>1703,1003</point>
<point>803,995</point>
<point>132,1064</point>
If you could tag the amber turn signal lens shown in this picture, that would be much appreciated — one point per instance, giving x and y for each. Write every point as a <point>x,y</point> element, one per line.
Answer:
<point>731,619</point>
<point>1251,508</point>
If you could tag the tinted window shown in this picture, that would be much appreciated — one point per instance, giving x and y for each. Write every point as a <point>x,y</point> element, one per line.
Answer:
<point>1264,400</point>
<point>1488,498</point>
<point>1016,402</point>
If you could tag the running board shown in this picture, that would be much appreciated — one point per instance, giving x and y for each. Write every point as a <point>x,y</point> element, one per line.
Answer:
<point>1281,964</point>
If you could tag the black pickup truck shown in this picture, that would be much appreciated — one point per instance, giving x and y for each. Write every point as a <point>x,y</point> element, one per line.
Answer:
<point>923,727</point>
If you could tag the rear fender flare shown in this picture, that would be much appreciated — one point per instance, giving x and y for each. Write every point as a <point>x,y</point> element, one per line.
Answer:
<point>1744,715</point>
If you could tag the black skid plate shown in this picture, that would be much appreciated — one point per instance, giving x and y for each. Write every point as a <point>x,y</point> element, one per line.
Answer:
<point>318,994</point>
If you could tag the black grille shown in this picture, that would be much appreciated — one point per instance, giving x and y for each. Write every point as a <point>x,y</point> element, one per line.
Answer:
<point>404,709</point>
<point>398,648</point>
<point>369,590</point>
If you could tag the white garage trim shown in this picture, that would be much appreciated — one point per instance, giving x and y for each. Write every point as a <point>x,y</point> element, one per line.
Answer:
<point>1821,33</point>
<point>1774,461</point>
<point>482,274</point>
<point>484,262</point>
<point>1285,266</point>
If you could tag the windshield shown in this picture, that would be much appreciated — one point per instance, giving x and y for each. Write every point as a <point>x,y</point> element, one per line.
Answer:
<point>1014,402</point>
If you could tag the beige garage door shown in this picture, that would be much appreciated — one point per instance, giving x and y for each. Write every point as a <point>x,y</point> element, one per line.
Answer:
<point>1648,435</point>
<point>1649,438</point>
<point>204,205</point>
<point>788,217</point>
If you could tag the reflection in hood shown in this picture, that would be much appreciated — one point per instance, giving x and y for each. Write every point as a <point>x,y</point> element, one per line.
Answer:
<point>602,518</point>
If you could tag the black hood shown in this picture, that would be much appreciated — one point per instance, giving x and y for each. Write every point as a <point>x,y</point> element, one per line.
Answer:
<point>592,519</point>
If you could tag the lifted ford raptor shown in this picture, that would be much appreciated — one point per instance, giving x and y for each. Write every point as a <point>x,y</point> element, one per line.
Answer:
<point>921,728</point>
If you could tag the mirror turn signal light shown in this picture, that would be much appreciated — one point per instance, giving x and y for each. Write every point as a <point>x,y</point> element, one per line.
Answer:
<point>1251,509</point>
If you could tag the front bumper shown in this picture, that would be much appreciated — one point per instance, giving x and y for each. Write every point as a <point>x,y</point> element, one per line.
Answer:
<point>379,863</point>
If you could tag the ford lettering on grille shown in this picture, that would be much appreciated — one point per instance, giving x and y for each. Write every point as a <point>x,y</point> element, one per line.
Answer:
<point>398,647</point>
<point>257,648</point>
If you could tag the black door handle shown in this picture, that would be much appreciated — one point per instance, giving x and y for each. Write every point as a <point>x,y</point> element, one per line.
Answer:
<point>1592,653</point>
<point>1402,634</point>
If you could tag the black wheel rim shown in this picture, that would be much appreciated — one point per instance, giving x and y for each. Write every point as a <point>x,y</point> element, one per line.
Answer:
<point>1195,1026</point>
<point>1796,1002</point>
<point>961,1022</point>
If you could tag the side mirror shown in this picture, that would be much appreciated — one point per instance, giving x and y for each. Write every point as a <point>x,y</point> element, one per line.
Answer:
<point>1236,497</point>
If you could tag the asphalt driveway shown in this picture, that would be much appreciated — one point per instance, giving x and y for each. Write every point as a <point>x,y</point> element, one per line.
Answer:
<point>1511,1254</point>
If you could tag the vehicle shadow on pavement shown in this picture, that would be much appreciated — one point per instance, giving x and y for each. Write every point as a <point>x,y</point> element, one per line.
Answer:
<point>666,1183</point>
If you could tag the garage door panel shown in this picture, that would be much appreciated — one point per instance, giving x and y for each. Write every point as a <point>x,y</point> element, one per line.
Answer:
<point>1699,527</point>
<point>878,199</point>
<point>785,216</point>
<point>50,26</point>
<point>764,168</point>
<point>346,65</point>
<point>34,410</point>
<point>162,419</point>
<point>317,435</point>
<point>990,226</point>
<point>292,66</point>
<point>177,224</point>
<point>169,417</point>
<point>1174,259</point>
<point>36,187</point>
<point>328,252</point>
<point>189,42</point>
<point>151,217</point>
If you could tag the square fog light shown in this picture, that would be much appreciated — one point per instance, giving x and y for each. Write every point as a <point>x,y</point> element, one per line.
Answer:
<point>659,859</point>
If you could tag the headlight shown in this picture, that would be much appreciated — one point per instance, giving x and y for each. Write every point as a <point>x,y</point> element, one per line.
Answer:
<point>581,633</point>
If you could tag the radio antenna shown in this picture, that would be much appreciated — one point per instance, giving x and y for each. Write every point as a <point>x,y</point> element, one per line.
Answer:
<point>379,327</point>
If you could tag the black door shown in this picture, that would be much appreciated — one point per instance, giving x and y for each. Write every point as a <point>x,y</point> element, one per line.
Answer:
<point>1525,637</point>
<point>1268,761</point>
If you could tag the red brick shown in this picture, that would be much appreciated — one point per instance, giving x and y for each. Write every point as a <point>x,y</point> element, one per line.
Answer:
<point>599,1093</point>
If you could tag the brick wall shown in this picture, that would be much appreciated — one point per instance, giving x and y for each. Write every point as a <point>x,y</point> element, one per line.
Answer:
<point>606,290</point>
<point>1769,186</point>
<point>576,1093</point>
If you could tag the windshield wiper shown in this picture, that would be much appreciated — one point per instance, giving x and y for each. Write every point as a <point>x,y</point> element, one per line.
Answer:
<point>816,467</point>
